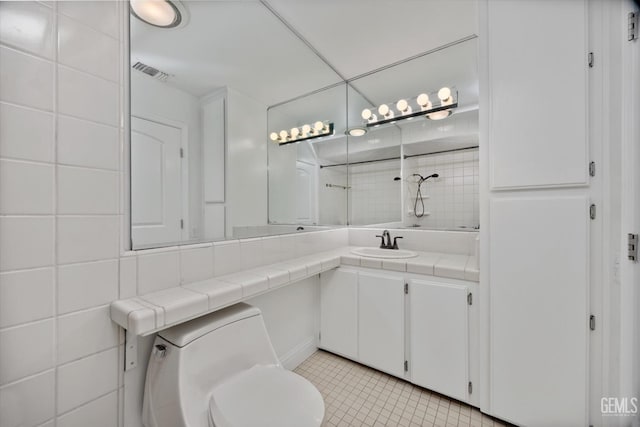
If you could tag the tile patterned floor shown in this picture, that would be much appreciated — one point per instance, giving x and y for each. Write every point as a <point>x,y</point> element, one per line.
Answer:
<point>356,395</point>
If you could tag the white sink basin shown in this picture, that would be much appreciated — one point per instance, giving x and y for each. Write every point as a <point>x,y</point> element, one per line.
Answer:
<point>384,253</point>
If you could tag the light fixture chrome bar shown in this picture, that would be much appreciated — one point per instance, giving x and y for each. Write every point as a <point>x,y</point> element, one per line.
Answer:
<point>302,133</point>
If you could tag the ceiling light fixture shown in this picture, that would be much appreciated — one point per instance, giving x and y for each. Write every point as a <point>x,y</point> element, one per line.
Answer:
<point>159,13</point>
<point>422,106</point>
<point>302,133</point>
<point>358,131</point>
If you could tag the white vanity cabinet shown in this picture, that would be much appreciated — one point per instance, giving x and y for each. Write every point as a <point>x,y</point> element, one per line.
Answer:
<point>381,321</point>
<point>439,337</point>
<point>339,312</point>
<point>412,326</point>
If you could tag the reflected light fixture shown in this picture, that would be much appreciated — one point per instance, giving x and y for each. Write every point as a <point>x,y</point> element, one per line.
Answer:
<point>357,131</point>
<point>422,105</point>
<point>159,13</point>
<point>302,133</point>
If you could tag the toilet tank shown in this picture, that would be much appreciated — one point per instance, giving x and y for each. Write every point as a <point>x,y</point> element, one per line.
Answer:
<point>198,355</point>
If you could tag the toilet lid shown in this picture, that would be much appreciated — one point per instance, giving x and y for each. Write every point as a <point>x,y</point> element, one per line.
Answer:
<point>266,396</point>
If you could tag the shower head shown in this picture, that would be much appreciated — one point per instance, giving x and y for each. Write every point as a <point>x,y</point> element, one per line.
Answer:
<point>423,178</point>
<point>397,178</point>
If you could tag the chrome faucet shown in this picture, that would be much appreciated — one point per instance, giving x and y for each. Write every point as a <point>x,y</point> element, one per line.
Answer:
<point>388,244</point>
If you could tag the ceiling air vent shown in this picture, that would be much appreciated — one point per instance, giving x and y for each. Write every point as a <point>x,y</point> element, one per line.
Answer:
<point>150,71</point>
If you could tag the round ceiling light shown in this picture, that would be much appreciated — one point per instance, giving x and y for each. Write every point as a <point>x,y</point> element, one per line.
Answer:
<point>159,13</point>
<point>356,131</point>
<point>439,115</point>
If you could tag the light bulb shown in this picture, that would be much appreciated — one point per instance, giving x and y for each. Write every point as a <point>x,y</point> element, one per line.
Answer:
<point>423,100</point>
<point>294,132</point>
<point>273,136</point>
<point>158,13</point>
<point>383,110</point>
<point>402,105</point>
<point>366,114</point>
<point>284,135</point>
<point>444,94</point>
<point>306,129</point>
<point>318,126</point>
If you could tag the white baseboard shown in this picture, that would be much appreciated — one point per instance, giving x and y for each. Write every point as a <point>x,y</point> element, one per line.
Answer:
<point>298,354</point>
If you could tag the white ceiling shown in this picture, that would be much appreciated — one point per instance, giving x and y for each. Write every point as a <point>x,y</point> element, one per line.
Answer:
<point>242,44</point>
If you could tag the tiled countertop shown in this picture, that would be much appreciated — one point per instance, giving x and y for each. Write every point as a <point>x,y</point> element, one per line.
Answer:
<point>158,310</point>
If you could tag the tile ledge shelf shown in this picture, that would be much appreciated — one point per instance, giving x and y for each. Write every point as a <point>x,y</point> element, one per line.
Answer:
<point>152,312</point>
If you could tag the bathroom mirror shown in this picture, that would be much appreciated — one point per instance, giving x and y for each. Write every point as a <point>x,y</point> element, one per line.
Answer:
<point>198,120</point>
<point>396,187</point>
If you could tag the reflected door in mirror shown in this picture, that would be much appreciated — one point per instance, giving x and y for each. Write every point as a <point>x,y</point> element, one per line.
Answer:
<point>155,182</point>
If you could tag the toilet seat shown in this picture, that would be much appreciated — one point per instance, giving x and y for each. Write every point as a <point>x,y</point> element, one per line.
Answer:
<point>266,396</point>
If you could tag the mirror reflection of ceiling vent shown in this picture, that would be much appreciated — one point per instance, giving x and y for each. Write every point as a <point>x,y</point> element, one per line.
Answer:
<point>150,71</point>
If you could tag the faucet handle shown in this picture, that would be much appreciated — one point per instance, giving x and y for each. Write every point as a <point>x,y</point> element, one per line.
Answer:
<point>395,243</point>
<point>382,245</point>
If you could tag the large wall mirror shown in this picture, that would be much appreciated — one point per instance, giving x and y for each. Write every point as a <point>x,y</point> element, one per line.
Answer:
<point>246,120</point>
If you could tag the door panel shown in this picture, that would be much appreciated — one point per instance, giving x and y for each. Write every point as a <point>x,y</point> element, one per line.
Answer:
<point>538,310</point>
<point>339,312</point>
<point>439,338</point>
<point>155,182</point>
<point>381,322</point>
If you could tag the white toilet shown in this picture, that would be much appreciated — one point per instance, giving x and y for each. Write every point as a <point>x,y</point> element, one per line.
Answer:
<point>221,370</point>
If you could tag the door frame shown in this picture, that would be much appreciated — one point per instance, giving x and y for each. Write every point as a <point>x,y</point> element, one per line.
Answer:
<point>184,171</point>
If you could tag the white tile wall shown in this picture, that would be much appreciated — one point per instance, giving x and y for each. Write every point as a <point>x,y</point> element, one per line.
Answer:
<point>375,196</point>
<point>60,213</point>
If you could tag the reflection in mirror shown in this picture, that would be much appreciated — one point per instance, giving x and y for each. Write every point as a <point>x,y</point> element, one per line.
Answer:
<point>198,119</point>
<point>432,181</point>
<point>304,186</point>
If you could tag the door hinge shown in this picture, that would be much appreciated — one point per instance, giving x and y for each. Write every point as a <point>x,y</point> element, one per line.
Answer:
<point>592,169</point>
<point>591,60</point>
<point>470,387</point>
<point>632,250</point>
<point>406,366</point>
<point>406,288</point>
<point>592,322</point>
<point>470,298</point>
<point>182,224</point>
<point>632,26</point>
<point>592,211</point>
<point>182,153</point>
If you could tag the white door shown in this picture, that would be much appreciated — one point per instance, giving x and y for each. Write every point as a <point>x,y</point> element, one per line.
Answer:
<point>439,337</point>
<point>339,312</point>
<point>156,201</point>
<point>381,322</point>
<point>306,190</point>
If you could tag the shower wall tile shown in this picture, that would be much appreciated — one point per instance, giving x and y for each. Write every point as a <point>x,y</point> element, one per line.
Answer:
<point>87,97</point>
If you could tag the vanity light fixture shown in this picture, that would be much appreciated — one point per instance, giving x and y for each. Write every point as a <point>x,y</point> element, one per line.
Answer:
<point>159,13</point>
<point>444,101</point>
<point>302,133</point>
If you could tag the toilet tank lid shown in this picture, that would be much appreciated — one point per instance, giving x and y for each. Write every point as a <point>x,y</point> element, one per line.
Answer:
<point>184,333</point>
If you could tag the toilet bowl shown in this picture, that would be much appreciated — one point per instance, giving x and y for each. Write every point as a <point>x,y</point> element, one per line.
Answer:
<point>221,370</point>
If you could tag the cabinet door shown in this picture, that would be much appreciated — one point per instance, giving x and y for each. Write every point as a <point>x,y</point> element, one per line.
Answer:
<point>339,312</point>
<point>381,322</point>
<point>439,337</point>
